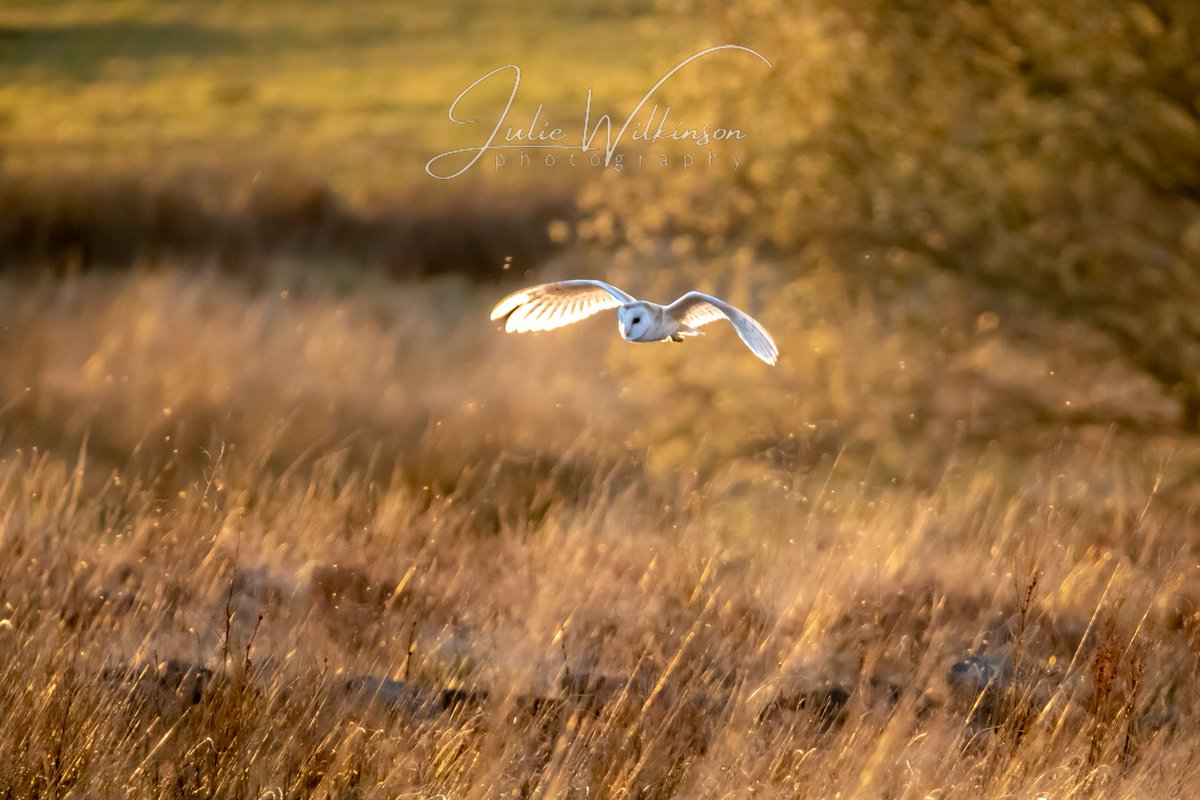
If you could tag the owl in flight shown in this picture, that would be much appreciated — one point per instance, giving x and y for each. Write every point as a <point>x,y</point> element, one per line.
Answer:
<point>553,305</point>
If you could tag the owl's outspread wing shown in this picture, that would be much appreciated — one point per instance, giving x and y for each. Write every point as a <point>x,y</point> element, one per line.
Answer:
<point>695,309</point>
<point>553,305</point>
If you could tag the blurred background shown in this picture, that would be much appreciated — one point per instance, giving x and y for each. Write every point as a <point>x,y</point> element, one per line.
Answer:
<point>242,332</point>
<point>965,223</point>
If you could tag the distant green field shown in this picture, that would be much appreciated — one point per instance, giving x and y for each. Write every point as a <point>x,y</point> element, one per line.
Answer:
<point>354,92</point>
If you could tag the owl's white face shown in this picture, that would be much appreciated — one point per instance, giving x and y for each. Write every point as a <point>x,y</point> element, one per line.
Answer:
<point>634,320</point>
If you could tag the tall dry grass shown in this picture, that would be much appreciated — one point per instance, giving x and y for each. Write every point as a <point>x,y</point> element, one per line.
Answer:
<point>307,542</point>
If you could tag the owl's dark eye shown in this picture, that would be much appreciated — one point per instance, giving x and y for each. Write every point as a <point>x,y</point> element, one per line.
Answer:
<point>636,320</point>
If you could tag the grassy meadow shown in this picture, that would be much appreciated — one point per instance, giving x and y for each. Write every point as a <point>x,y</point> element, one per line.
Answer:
<point>278,520</point>
<point>354,94</point>
<point>329,543</point>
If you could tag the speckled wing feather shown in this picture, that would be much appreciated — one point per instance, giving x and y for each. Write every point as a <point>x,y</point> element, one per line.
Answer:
<point>695,309</point>
<point>553,305</point>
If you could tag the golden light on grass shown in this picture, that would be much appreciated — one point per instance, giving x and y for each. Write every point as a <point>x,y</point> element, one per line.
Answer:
<point>283,514</point>
<point>308,579</point>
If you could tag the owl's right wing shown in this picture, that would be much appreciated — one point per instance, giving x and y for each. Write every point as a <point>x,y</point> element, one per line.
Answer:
<point>553,305</point>
<point>695,309</point>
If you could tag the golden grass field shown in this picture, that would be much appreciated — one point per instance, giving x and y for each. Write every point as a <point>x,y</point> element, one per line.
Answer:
<point>270,502</point>
<point>277,523</point>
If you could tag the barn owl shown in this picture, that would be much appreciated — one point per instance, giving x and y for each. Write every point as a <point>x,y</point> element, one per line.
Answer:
<point>553,305</point>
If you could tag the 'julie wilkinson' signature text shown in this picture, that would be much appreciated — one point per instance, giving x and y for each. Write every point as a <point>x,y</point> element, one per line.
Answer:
<point>538,134</point>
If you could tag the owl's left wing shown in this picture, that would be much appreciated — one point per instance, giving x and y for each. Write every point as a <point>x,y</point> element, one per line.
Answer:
<point>695,309</point>
<point>553,305</point>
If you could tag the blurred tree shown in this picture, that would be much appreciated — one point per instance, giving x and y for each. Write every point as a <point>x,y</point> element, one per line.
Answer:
<point>1045,153</point>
